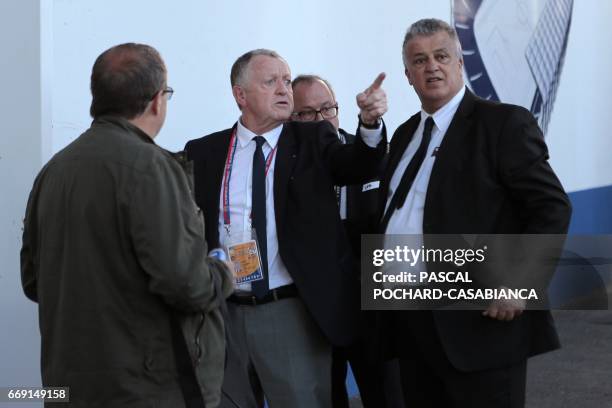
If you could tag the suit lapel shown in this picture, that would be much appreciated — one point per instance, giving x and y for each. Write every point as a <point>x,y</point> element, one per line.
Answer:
<point>286,156</point>
<point>348,138</point>
<point>352,191</point>
<point>216,161</point>
<point>450,155</point>
<point>405,134</point>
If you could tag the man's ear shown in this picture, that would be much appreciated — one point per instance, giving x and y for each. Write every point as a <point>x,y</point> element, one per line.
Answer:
<point>156,103</point>
<point>407,73</point>
<point>239,95</point>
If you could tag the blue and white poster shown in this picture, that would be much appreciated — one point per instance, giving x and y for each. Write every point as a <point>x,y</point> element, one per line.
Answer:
<point>513,50</point>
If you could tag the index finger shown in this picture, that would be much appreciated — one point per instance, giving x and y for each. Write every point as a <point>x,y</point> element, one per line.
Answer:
<point>378,81</point>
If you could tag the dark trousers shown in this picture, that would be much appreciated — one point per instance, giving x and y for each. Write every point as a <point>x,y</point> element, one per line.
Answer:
<point>368,377</point>
<point>429,380</point>
<point>378,381</point>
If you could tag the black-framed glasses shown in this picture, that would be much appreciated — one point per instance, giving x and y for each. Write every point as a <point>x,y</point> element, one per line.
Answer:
<point>329,112</point>
<point>168,91</point>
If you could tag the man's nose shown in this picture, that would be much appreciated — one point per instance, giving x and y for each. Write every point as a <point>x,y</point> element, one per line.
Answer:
<point>431,65</point>
<point>318,116</point>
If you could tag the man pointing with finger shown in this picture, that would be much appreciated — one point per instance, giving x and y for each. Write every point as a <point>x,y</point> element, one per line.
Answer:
<point>267,184</point>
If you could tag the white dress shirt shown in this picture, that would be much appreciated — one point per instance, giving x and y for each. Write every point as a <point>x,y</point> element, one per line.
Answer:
<point>240,195</point>
<point>409,218</point>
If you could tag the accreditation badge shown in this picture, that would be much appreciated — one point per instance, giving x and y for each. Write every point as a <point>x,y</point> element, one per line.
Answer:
<point>243,252</point>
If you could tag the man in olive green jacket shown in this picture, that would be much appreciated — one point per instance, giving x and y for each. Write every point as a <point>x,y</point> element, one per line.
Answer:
<point>115,255</point>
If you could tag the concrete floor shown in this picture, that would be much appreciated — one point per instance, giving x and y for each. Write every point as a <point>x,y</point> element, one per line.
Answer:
<point>579,375</point>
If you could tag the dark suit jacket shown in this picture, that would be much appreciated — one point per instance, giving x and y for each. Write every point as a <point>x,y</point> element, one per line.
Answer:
<point>361,207</point>
<point>312,241</point>
<point>491,176</point>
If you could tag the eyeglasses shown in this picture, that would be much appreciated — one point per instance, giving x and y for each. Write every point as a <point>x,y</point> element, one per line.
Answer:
<point>168,91</point>
<point>329,112</point>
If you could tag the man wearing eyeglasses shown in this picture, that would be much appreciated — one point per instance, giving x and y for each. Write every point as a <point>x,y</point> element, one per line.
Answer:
<point>314,100</point>
<point>114,254</point>
<point>266,186</point>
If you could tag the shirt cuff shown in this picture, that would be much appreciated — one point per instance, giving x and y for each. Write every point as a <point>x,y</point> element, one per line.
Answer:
<point>371,137</point>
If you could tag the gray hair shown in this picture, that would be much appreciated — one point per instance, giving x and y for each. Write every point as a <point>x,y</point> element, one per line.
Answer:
<point>427,27</point>
<point>239,69</point>
<point>309,79</point>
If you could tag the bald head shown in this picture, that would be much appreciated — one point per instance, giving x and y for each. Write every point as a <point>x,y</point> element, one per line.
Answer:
<point>124,79</point>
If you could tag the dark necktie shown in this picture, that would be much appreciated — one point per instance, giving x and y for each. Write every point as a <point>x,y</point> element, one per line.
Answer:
<point>409,174</point>
<point>260,288</point>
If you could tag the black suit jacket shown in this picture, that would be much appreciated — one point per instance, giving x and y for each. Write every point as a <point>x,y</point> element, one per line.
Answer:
<point>312,241</point>
<point>491,176</point>
<point>361,207</point>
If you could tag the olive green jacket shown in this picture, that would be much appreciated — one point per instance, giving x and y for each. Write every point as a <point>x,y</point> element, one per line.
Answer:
<point>115,255</point>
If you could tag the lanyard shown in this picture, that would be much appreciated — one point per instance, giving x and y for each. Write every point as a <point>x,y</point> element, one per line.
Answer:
<point>227,175</point>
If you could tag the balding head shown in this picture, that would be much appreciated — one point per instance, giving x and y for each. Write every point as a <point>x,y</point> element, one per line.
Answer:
<point>314,100</point>
<point>124,79</point>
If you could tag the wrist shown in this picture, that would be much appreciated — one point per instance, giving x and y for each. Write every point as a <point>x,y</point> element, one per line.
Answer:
<point>370,125</point>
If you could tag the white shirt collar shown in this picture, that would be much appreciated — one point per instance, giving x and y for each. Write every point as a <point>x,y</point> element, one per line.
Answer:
<point>443,116</point>
<point>245,135</point>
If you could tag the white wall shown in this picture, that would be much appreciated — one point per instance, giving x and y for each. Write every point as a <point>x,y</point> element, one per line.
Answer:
<point>348,42</point>
<point>25,135</point>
